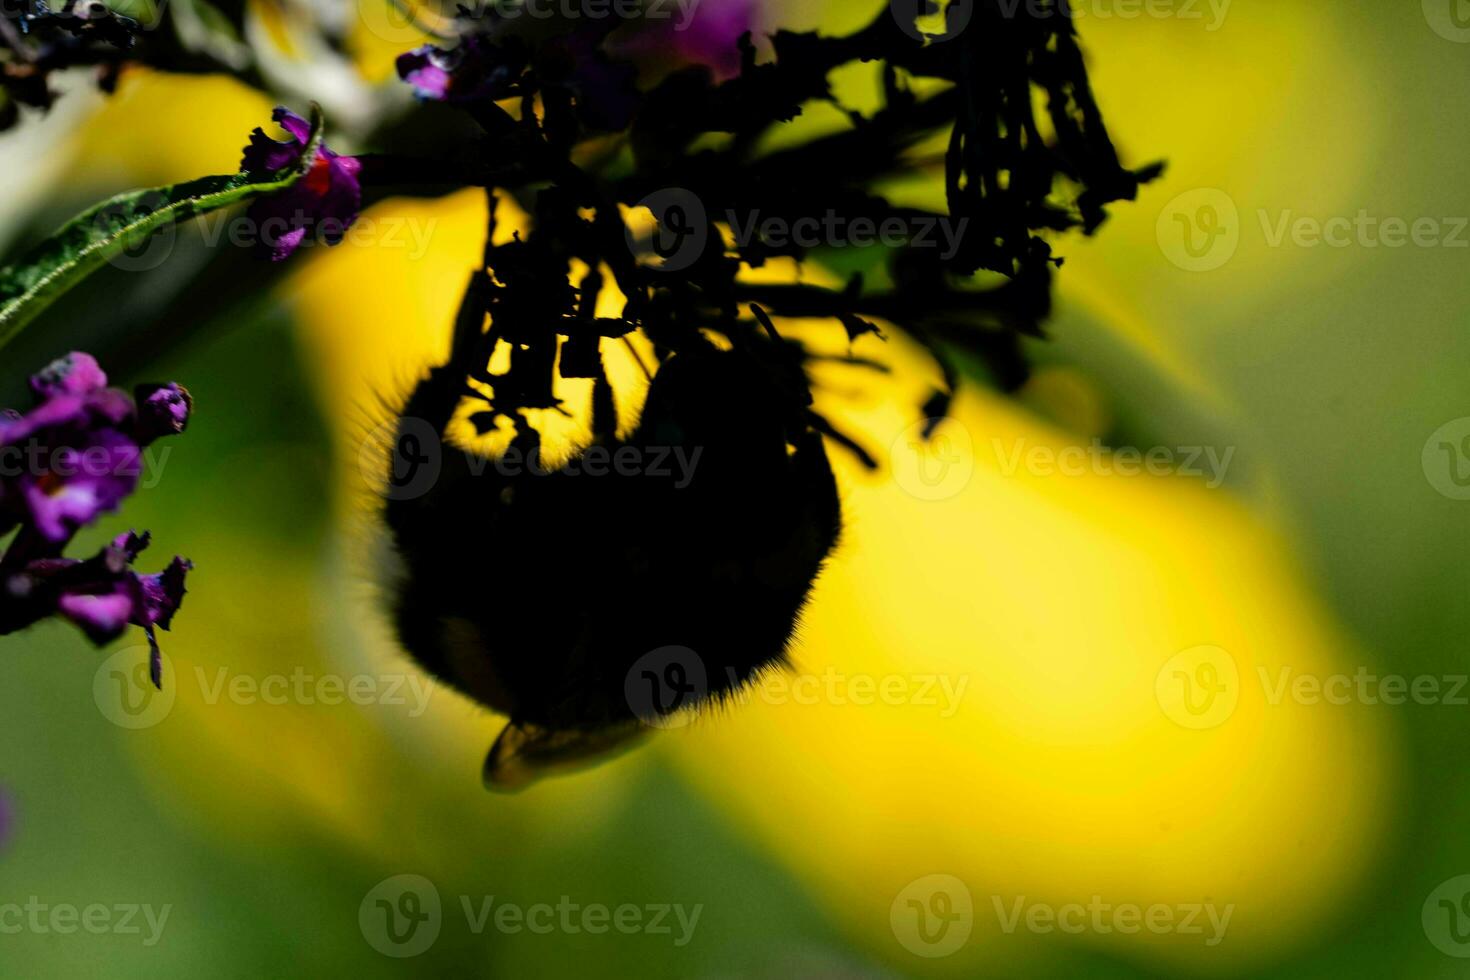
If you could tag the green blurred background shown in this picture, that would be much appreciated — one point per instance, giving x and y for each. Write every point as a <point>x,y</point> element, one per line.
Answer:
<point>1326,369</point>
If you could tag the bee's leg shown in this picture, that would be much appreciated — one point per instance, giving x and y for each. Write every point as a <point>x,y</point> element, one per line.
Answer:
<point>824,505</point>
<point>436,398</point>
<point>421,461</point>
<point>604,411</point>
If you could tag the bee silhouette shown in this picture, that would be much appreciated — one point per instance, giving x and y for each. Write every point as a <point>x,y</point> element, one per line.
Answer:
<point>590,609</point>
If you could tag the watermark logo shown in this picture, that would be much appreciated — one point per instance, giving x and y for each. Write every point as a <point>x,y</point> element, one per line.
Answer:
<point>680,233</point>
<point>414,453</point>
<point>932,21</point>
<point>933,916</point>
<point>401,916</point>
<point>140,252</point>
<point>1450,19</point>
<point>1446,917</point>
<point>390,21</point>
<point>1446,459</point>
<point>1199,687</point>
<point>933,467</point>
<point>1199,230</point>
<point>125,693</point>
<point>664,685</point>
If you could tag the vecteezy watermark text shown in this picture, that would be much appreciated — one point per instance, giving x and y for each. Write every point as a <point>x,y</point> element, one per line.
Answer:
<point>1215,10</point>
<point>659,462</point>
<point>402,916</point>
<point>1201,687</point>
<point>1200,230</point>
<point>1204,919</point>
<point>923,20</point>
<point>681,12</point>
<point>567,917</point>
<point>396,23</point>
<point>832,686</point>
<point>682,230</point>
<point>97,919</point>
<point>1098,459</point>
<point>933,916</point>
<point>411,453</point>
<point>303,687</point>
<point>124,692</point>
<point>837,231</point>
<point>243,230</point>
<point>664,687</point>
<point>34,459</point>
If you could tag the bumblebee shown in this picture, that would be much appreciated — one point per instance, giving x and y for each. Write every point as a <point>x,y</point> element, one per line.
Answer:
<point>590,603</point>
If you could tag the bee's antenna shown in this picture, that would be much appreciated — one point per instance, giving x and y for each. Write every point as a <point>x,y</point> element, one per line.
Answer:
<point>637,357</point>
<point>765,321</point>
<point>788,359</point>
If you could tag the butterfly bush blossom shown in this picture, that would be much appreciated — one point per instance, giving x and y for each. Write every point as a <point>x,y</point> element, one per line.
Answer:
<point>705,35</point>
<point>76,455</point>
<point>460,74</point>
<point>324,202</point>
<point>603,88</point>
<point>478,71</point>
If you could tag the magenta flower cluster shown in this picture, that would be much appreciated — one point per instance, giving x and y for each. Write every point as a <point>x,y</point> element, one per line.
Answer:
<point>74,456</point>
<point>323,203</point>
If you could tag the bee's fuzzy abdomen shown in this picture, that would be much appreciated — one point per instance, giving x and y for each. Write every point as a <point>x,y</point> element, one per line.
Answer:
<point>540,594</point>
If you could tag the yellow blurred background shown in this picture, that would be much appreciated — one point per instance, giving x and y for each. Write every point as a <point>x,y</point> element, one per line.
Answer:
<point>1084,666</point>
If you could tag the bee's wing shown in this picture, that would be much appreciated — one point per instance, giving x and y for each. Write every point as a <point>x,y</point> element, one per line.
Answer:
<point>525,753</point>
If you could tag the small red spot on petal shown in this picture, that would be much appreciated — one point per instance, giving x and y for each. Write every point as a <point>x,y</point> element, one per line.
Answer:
<point>319,178</point>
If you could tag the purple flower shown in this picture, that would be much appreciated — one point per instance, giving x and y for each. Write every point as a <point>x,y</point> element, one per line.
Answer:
<point>163,410</point>
<point>430,71</point>
<point>473,70</point>
<point>74,374</point>
<point>77,453</point>
<point>716,28</point>
<point>324,202</point>
<point>79,482</point>
<point>104,605</point>
<point>711,35</point>
<point>708,35</point>
<point>603,90</point>
<point>73,457</point>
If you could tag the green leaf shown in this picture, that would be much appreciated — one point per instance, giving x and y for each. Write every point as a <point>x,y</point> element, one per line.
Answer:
<point>120,223</point>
